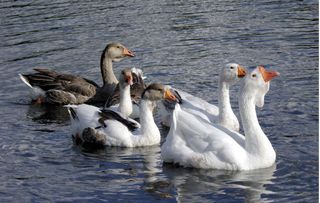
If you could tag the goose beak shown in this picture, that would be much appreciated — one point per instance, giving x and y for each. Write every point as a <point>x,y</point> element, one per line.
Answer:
<point>127,52</point>
<point>268,75</point>
<point>241,71</point>
<point>129,80</point>
<point>169,96</point>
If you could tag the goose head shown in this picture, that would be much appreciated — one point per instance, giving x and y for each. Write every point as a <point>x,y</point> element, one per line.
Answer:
<point>125,78</point>
<point>256,84</point>
<point>231,72</point>
<point>156,91</point>
<point>116,52</point>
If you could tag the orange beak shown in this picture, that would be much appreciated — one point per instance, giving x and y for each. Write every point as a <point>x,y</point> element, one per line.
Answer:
<point>241,71</point>
<point>168,95</point>
<point>127,52</point>
<point>267,75</point>
<point>129,80</point>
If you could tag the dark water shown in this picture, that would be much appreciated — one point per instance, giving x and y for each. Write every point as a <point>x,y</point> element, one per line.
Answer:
<point>179,43</point>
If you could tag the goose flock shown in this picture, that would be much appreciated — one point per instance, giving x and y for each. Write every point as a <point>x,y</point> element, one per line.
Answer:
<point>201,135</point>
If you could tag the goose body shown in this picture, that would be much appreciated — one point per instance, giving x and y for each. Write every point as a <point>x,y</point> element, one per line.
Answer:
<point>101,127</point>
<point>110,128</point>
<point>221,114</point>
<point>59,88</point>
<point>195,142</point>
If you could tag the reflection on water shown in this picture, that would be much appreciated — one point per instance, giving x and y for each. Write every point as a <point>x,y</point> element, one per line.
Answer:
<point>181,43</point>
<point>122,168</point>
<point>48,113</point>
<point>203,185</point>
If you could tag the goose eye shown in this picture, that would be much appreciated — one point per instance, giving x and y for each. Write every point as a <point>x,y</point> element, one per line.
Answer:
<point>231,67</point>
<point>118,47</point>
<point>254,75</point>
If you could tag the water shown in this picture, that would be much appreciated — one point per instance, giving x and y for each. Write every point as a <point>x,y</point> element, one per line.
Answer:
<point>176,42</point>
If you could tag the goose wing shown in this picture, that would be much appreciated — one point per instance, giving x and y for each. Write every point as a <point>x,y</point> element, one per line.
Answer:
<point>61,88</point>
<point>107,114</point>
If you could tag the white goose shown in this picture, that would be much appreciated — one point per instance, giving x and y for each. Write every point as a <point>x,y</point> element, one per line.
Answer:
<point>125,81</point>
<point>123,92</point>
<point>223,114</point>
<point>122,99</point>
<point>194,142</point>
<point>109,128</point>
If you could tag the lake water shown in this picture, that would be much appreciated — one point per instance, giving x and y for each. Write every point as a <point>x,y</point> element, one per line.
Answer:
<point>180,43</point>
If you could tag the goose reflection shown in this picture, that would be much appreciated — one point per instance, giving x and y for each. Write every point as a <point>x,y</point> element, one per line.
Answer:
<point>123,169</point>
<point>127,170</point>
<point>48,114</point>
<point>194,185</point>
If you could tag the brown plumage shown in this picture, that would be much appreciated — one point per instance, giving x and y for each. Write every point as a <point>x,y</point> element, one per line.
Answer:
<point>61,88</point>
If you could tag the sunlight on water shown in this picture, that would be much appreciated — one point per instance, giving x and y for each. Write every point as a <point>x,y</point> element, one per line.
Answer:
<point>180,43</point>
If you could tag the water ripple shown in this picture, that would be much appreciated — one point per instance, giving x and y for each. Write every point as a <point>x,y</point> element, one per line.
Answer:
<point>180,43</point>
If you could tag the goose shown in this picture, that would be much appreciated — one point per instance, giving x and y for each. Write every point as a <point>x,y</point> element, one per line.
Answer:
<point>125,105</point>
<point>109,128</point>
<point>59,88</point>
<point>132,103</point>
<point>222,114</point>
<point>195,142</point>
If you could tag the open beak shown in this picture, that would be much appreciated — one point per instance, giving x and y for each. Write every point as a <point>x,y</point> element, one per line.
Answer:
<point>241,71</point>
<point>268,75</point>
<point>169,96</point>
<point>129,80</point>
<point>127,52</point>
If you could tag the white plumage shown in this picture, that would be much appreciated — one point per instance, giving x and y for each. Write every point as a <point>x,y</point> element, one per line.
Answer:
<point>221,114</point>
<point>195,142</point>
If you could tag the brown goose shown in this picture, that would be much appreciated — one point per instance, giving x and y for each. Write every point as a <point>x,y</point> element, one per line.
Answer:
<point>59,88</point>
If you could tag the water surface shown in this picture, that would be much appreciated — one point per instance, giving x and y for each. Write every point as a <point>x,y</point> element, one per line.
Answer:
<point>180,43</point>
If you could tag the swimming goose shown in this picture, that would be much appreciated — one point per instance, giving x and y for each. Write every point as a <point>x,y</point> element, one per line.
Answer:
<point>194,142</point>
<point>109,128</point>
<point>136,89</point>
<point>59,88</point>
<point>125,105</point>
<point>222,114</point>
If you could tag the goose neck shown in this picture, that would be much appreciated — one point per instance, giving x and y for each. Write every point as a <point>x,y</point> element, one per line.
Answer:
<point>148,126</point>
<point>107,73</point>
<point>125,105</point>
<point>256,142</point>
<point>225,111</point>
<point>224,96</point>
